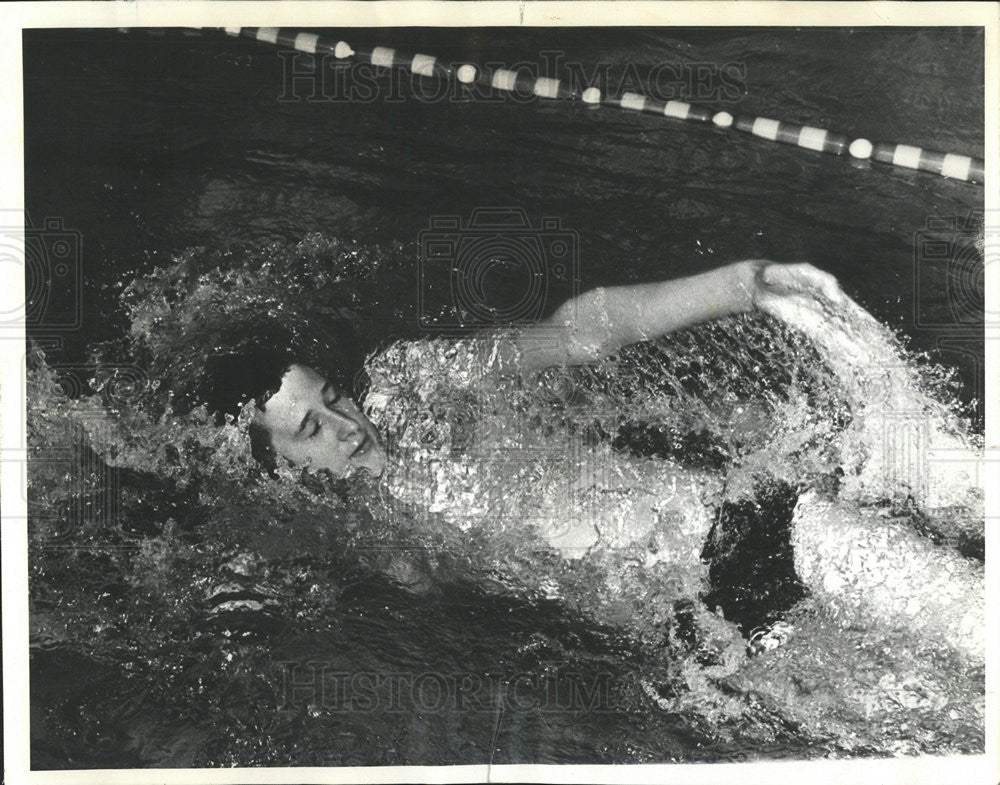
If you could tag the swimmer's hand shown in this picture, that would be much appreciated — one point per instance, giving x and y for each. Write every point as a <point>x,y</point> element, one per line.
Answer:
<point>776,286</point>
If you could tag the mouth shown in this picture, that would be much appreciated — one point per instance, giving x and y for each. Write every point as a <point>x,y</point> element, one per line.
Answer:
<point>362,447</point>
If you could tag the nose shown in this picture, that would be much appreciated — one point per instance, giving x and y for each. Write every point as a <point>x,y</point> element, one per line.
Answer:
<point>345,426</point>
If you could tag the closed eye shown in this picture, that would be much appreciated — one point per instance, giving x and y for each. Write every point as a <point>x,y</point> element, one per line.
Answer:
<point>309,427</point>
<point>330,395</point>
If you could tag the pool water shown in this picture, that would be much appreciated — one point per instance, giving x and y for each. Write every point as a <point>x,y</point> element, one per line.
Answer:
<point>180,618</point>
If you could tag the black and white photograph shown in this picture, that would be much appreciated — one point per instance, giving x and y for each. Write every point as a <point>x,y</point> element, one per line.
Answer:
<point>499,392</point>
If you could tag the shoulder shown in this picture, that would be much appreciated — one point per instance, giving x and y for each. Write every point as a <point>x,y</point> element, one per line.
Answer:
<point>443,361</point>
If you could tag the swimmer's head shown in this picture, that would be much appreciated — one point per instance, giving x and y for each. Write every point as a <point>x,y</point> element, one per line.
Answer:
<point>310,422</point>
<point>301,414</point>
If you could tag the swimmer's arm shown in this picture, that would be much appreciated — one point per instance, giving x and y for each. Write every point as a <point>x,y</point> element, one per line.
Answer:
<point>600,322</point>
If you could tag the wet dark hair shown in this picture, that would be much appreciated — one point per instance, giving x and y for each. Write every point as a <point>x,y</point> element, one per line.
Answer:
<point>232,380</point>
<point>252,365</point>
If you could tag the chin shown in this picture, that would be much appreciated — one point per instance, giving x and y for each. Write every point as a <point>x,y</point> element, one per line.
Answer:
<point>374,468</point>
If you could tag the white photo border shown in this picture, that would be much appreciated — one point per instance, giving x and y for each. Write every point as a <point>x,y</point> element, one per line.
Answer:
<point>15,17</point>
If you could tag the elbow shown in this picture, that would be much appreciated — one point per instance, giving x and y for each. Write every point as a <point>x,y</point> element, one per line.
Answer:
<point>589,327</point>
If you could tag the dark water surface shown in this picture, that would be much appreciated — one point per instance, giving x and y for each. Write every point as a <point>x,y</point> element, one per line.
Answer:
<point>148,146</point>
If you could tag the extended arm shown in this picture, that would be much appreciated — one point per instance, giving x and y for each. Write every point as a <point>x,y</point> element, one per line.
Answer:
<point>600,322</point>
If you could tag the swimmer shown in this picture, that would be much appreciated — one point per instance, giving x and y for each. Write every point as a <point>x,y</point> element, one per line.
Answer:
<point>306,419</point>
<point>309,421</point>
<point>303,417</point>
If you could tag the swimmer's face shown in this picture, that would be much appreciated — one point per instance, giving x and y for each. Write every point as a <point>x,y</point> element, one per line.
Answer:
<point>312,424</point>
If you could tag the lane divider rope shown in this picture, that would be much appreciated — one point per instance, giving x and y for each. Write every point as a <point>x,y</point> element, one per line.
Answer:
<point>959,167</point>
